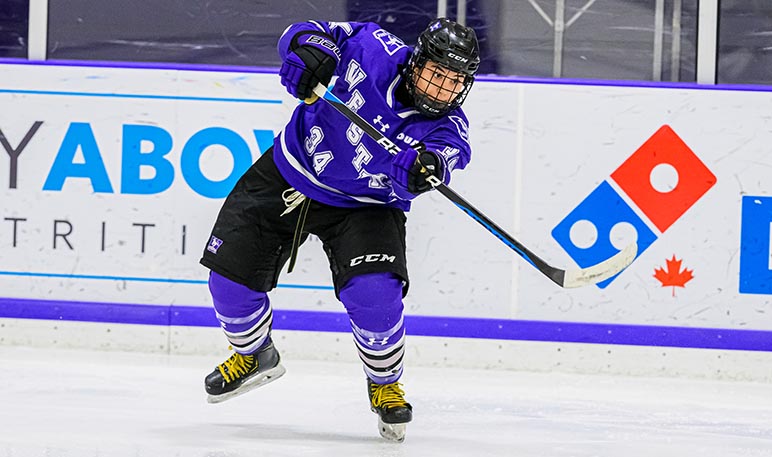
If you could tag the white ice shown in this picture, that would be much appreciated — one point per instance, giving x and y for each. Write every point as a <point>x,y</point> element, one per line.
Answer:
<point>57,403</point>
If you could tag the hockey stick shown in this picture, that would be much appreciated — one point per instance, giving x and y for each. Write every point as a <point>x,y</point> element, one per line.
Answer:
<point>564,278</point>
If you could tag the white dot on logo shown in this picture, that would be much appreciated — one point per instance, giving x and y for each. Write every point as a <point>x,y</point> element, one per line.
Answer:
<point>583,234</point>
<point>664,178</point>
<point>622,234</point>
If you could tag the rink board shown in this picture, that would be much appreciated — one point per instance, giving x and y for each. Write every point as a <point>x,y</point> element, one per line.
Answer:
<point>112,178</point>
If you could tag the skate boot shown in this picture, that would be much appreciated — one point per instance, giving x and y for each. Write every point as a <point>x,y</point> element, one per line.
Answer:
<point>388,401</point>
<point>242,373</point>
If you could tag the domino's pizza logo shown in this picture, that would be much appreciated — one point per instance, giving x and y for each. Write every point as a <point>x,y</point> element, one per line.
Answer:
<point>618,201</point>
<point>214,244</point>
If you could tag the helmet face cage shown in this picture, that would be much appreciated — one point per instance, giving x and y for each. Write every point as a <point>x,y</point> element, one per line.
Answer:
<point>452,47</point>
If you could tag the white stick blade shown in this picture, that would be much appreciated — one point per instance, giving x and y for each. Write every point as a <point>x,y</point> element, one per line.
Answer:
<point>603,270</point>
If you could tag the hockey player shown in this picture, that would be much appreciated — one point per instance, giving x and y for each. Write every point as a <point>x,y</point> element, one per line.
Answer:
<point>324,176</point>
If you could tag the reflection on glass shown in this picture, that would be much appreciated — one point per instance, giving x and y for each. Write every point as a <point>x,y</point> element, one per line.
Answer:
<point>407,19</point>
<point>745,42</point>
<point>650,40</point>
<point>597,39</point>
<point>14,21</point>
<point>225,32</point>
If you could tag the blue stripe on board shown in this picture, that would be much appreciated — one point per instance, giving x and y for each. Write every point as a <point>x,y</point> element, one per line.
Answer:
<point>142,96</point>
<point>454,327</point>
<point>144,279</point>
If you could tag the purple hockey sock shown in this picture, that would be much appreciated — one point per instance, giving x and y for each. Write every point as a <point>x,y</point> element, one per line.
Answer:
<point>374,305</point>
<point>244,314</point>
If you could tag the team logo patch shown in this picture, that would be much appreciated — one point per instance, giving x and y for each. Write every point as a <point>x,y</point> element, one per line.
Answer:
<point>214,245</point>
<point>390,42</point>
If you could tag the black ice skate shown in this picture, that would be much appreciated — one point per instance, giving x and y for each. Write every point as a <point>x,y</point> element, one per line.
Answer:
<point>388,401</point>
<point>242,373</point>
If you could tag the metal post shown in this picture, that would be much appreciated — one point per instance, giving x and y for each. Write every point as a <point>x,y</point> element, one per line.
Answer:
<point>559,25</point>
<point>442,8</point>
<point>659,30</point>
<point>37,33</point>
<point>461,12</point>
<point>707,41</point>
<point>675,45</point>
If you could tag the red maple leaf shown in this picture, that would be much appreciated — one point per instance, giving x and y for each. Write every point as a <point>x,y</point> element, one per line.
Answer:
<point>673,276</point>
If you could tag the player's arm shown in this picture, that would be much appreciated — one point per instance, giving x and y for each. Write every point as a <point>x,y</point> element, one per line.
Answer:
<point>310,53</point>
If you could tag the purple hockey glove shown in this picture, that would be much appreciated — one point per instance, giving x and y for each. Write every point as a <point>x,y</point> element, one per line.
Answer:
<point>312,60</point>
<point>411,167</point>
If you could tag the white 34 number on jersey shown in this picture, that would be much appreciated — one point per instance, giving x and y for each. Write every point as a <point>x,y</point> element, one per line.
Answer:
<point>319,159</point>
<point>313,140</point>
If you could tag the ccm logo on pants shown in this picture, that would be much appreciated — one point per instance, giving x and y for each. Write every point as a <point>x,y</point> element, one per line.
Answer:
<point>368,258</point>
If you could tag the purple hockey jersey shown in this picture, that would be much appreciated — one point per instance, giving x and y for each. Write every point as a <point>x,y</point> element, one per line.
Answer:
<point>327,158</point>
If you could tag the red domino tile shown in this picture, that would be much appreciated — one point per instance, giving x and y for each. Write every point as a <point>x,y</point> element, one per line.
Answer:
<point>694,178</point>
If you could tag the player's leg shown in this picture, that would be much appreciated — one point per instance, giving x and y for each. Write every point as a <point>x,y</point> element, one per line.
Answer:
<point>366,249</point>
<point>374,305</point>
<point>255,361</point>
<point>249,244</point>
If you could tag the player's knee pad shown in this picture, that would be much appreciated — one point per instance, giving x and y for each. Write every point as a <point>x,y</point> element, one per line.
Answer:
<point>374,301</point>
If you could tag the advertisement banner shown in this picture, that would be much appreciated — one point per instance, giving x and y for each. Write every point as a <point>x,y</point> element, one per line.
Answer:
<point>110,180</point>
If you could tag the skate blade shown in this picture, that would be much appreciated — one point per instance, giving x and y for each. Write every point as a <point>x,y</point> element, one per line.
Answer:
<point>260,380</point>
<point>392,432</point>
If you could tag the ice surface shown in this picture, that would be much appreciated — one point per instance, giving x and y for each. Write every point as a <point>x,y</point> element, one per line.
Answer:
<point>57,403</point>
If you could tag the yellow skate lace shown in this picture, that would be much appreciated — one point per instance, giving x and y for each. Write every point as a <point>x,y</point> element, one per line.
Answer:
<point>388,396</point>
<point>236,366</point>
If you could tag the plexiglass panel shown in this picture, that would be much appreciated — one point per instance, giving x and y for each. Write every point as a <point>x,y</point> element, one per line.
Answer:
<point>597,39</point>
<point>745,42</point>
<point>14,21</point>
<point>407,19</point>
<point>227,32</point>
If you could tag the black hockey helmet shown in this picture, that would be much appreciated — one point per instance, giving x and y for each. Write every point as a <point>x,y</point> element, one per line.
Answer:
<point>451,46</point>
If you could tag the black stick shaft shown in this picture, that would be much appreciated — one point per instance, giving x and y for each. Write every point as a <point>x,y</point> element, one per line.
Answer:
<point>555,274</point>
